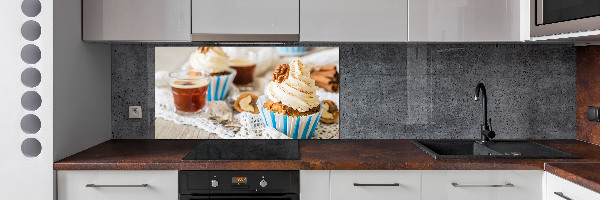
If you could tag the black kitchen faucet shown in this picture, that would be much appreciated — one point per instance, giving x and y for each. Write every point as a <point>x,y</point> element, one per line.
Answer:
<point>486,129</point>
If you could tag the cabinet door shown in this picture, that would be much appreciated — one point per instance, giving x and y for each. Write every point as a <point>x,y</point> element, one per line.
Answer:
<point>354,20</point>
<point>468,20</point>
<point>314,184</point>
<point>371,185</point>
<point>117,185</point>
<point>482,184</point>
<point>235,20</point>
<point>136,20</point>
<point>561,189</point>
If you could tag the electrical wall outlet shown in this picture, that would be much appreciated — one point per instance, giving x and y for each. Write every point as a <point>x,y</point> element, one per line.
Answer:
<point>135,112</point>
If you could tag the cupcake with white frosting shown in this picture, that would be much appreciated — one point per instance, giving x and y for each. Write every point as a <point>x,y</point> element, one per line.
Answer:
<point>213,62</point>
<point>291,104</point>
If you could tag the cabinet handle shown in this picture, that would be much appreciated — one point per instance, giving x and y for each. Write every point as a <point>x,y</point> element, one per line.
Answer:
<point>94,185</point>
<point>505,185</point>
<point>560,194</point>
<point>361,184</point>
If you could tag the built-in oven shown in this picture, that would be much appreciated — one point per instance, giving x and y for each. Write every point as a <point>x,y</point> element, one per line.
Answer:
<point>234,185</point>
<point>555,17</point>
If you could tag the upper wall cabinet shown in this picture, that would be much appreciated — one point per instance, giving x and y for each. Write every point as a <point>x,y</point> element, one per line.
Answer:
<point>245,20</point>
<point>354,20</point>
<point>136,20</point>
<point>468,20</point>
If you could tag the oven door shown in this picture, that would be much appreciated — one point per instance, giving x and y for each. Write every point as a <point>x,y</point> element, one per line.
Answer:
<point>553,17</point>
<point>236,197</point>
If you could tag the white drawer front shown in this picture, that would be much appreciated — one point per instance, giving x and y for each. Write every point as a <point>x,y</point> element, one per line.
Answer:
<point>343,188</point>
<point>476,184</point>
<point>314,184</point>
<point>162,185</point>
<point>567,188</point>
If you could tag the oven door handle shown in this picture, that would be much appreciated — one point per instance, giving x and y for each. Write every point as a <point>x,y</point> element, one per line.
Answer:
<point>192,197</point>
<point>252,197</point>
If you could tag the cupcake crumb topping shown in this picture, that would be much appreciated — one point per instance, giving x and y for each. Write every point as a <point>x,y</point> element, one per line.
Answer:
<point>281,73</point>
<point>289,111</point>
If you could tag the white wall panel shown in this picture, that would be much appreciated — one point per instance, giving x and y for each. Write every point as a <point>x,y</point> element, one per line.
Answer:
<point>74,113</point>
<point>25,177</point>
<point>82,84</point>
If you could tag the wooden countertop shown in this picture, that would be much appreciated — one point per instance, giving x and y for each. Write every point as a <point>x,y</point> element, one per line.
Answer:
<point>314,155</point>
<point>581,173</point>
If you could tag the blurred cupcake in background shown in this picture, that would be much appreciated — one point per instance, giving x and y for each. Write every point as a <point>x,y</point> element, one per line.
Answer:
<point>291,51</point>
<point>291,104</point>
<point>213,62</point>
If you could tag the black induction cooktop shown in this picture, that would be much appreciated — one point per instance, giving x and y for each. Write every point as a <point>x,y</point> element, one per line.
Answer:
<point>245,149</point>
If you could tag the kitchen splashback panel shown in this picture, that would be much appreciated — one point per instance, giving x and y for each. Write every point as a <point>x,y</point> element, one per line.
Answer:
<point>394,91</point>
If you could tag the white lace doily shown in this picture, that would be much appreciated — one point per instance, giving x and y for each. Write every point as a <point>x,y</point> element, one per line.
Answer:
<point>218,117</point>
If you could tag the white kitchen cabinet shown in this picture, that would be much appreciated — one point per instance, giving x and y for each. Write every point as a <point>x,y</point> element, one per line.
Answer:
<point>243,20</point>
<point>136,20</point>
<point>482,184</point>
<point>314,184</point>
<point>117,184</point>
<point>561,189</point>
<point>468,20</point>
<point>354,20</point>
<point>371,185</point>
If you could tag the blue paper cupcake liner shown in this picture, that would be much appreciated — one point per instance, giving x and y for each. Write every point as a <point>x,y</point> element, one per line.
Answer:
<point>218,86</point>
<point>286,51</point>
<point>294,127</point>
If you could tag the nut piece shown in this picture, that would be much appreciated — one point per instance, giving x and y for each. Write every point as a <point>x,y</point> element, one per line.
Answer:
<point>203,49</point>
<point>331,113</point>
<point>246,103</point>
<point>281,73</point>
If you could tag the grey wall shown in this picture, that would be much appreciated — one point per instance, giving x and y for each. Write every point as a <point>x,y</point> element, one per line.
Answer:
<point>409,90</point>
<point>81,80</point>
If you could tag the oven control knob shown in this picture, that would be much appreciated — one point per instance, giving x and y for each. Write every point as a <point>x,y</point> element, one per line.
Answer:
<point>214,183</point>
<point>263,183</point>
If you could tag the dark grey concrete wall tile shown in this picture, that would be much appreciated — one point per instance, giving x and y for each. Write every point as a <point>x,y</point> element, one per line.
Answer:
<point>372,106</point>
<point>130,87</point>
<point>373,59</point>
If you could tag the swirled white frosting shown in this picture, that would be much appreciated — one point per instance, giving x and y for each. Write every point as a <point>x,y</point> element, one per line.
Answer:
<point>215,60</point>
<point>297,91</point>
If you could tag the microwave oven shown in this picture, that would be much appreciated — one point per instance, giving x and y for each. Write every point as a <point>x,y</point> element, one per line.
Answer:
<point>555,19</point>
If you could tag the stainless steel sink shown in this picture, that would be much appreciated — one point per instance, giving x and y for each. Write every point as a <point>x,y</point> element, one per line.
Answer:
<point>492,149</point>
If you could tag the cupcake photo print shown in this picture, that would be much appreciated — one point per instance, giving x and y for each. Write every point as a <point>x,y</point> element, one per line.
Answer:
<point>214,92</point>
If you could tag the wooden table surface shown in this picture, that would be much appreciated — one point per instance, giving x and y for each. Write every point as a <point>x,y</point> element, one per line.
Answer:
<point>165,129</point>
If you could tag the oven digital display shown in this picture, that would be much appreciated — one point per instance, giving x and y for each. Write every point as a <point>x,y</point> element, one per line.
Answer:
<point>239,180</point>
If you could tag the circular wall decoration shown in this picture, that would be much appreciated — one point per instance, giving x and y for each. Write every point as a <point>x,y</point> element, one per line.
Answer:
<point>31,30</point>
<point>31,147</point>
<point>31,77</point>
<point>31,8</point>
<point>31,100</point>
<point>30,124</point>
<point>31,54</point>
